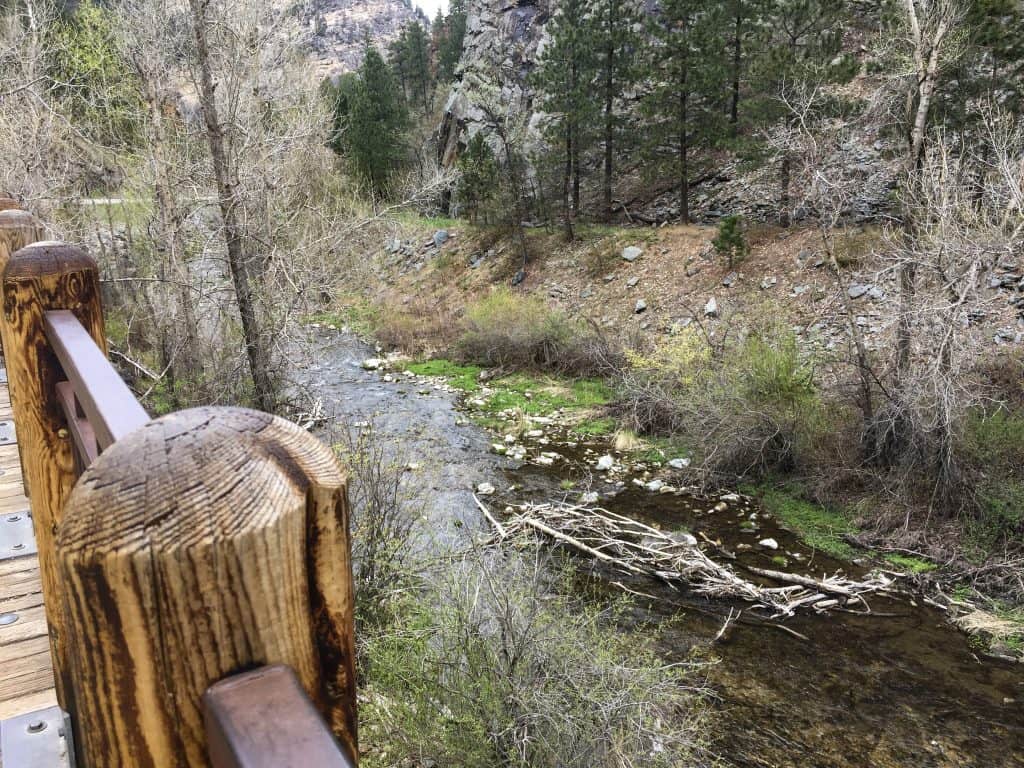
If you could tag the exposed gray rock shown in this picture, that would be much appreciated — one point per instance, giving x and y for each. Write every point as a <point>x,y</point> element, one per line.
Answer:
<point>632,282</point>
<point>857,290</point>
<point>641,307</point>
<point>632,253</point>
<point>440,237</point>
<point>711,308</point>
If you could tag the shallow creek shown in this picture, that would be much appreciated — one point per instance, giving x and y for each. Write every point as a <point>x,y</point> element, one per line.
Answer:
<point>900,687</point>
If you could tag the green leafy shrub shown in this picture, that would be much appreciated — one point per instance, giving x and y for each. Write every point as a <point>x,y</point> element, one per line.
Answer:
<point>731,240</point>
<point>750,406</point>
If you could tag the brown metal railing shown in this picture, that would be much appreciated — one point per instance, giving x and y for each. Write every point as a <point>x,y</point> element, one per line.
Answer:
<point>175,552</point>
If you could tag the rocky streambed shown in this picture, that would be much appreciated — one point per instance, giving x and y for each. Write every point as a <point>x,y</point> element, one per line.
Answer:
<point>897,687</point>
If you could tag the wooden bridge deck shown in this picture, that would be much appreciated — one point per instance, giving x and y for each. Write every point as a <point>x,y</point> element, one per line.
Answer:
<point>26,672</point>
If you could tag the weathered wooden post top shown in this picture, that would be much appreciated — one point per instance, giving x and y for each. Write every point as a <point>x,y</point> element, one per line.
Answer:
<point>195,568</point>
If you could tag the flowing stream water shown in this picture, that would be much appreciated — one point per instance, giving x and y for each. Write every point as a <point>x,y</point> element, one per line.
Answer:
<point>898,688</point>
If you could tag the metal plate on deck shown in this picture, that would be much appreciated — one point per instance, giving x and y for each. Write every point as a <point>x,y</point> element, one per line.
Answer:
<point>7,436</point>
<point>3,375</point>
<point>16,536</point>
<point>40,739</point>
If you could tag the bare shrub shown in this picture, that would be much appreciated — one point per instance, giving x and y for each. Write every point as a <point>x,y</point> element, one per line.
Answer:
<point>511,330</point>
<point>490,666</point>
<point>385,508</point>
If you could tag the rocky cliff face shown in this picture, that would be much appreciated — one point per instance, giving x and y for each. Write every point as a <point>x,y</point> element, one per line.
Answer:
<point>503,38</point>
<point>339,28</point>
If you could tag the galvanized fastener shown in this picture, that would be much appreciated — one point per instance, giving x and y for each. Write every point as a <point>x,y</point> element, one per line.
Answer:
<point>13,518</point>
<point>7,618</point>
<point>37,726</point>
<point>62,433</point>
<point>18,546</point>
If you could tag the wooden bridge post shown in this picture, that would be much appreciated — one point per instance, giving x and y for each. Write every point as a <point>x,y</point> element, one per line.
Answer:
<point>38,278</point>
<point>208,542</point>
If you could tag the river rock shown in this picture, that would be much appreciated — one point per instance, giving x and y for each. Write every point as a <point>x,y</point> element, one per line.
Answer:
<point>590,497</point>
<point>654,486</point>
<point>372,364</point>
<point>857,290</point>
<point>711,308</point>
<point>631,253</point>
<point>440,237</point>
<point>544,461</point>
<point>679,463</point>
<point>640,308</point>
<point>605,463</point>
<point>485,489</point>
<point>769,543</point>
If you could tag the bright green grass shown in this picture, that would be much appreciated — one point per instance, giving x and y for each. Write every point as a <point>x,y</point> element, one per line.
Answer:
<point>818,527</point>
<point>910,563</point>
<point>596,427</point>
<point>539,397</point>
<point>462,377</point>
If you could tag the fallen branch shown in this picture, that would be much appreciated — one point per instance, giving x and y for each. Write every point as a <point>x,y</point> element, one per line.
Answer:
<point>678,560</point>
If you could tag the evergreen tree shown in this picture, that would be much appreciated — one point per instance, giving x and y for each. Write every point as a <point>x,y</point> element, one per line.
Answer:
<point>92,78</point>
<point>563,80</point>
<point>615,30</point>
<point>990,72</point>
<point>801,46</point>
<point>449,51</point>
<point>374,120</point>
<point>743,19</point>
<point>478,176</point>
<point>409,55</point>
<point>688,73</point>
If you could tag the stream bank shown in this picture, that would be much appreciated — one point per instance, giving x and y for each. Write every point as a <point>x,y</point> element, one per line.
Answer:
<point>900,687</point>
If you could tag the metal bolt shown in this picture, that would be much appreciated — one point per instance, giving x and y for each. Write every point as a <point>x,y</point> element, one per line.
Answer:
<point>18,546</point>
<point>62,433</point>
<point>7,618</point>
<point>37,726</point>
<point>13,518</point>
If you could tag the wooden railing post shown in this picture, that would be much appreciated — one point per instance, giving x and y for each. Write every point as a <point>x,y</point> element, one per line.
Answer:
<point>17,229</point>
<point>206,543</point>
<point>38,278</point>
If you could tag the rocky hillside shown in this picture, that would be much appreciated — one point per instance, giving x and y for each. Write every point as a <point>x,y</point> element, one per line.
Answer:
<point>340,27</point>
<point>505,38</point>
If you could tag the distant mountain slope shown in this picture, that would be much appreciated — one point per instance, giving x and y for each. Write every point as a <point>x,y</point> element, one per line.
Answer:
<point>340,27</point>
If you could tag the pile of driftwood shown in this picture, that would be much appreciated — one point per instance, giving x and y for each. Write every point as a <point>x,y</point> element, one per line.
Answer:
<point>677,559</point>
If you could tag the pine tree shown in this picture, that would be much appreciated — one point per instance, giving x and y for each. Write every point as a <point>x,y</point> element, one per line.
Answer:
<point>478,176</point>
<point>417,56</point>
<point>744,19</point>
<point>371,129</point>
<point>449,51</point>
<point>614,28</point>
<point>563,80</point>
<point>801,46</point>
<point>688,74</point>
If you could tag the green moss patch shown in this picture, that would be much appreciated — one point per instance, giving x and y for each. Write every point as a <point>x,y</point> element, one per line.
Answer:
<point>910,563</point>
<point>819,528</point>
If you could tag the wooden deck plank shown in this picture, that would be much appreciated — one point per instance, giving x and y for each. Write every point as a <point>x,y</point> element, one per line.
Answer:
<point>26,673</point>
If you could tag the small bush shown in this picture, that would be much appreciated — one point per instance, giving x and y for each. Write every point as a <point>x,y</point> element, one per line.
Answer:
<point>751,406</point>
<point>493,663</point>
<point>731,241</point>
<point>994,445</point>
<point>510,330</point>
